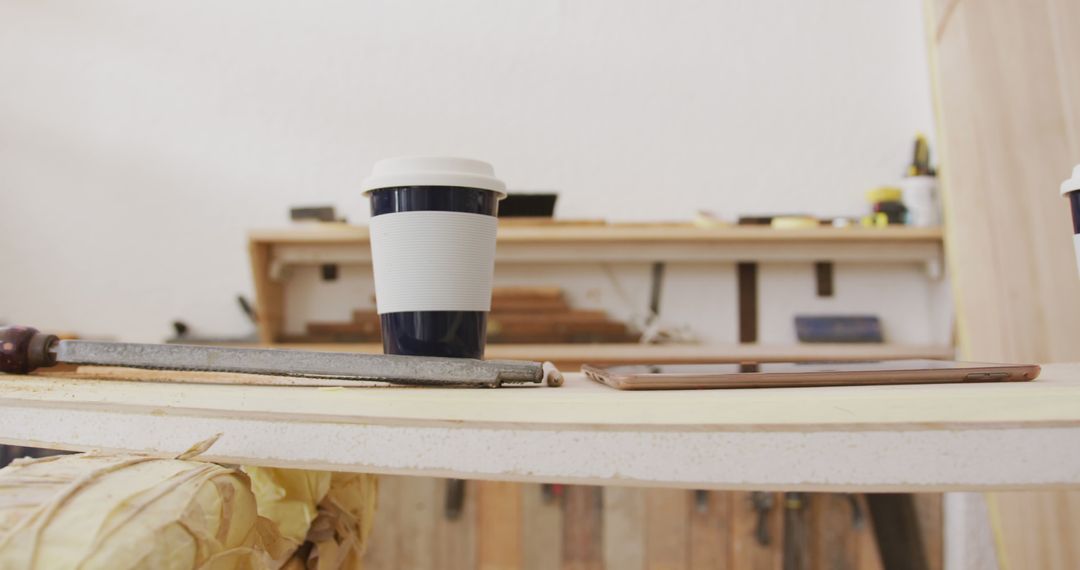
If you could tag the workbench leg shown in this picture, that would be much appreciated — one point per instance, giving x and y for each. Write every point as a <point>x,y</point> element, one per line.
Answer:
<point>896,526</point>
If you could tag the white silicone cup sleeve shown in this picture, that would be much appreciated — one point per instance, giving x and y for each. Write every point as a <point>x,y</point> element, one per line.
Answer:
<point>433,261</point>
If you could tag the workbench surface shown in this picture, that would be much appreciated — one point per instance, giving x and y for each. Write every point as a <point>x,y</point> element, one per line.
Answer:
<point>916,438</point>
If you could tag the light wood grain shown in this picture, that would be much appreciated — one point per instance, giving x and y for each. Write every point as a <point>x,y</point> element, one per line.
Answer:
<point>1036,530</point>
<point>1007,95</point>
<point>930,510</point>
<point>269,293</point>
<point>995,435</point>
<point>542,529</point>
<point>834,544</point>
<point>1064,17</point>
<point>747,552</point>
<point>572,356</point>
<point>1052,400</point>
<point>1005,106</point>
<point>711,532</point>
<point>417,511</point>
<point>455,540</point>
<point>382,549</point>
<point>624,528</point>
<point>870,558</point>
<point>582,527</point>
<point>622,233</point>
<point>499,546</point>
<point>667,529</point>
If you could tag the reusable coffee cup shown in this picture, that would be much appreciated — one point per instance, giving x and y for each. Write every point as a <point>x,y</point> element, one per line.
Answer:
<point>433,253</point>
<point>1071,190</point>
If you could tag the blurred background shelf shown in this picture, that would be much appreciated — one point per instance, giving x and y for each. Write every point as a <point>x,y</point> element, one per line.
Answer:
<point>617,232</point>
<point>337,243</point>
<point>531,253</point>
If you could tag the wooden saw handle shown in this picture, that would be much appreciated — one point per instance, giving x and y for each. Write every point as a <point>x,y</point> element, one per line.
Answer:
<point>24,349</point>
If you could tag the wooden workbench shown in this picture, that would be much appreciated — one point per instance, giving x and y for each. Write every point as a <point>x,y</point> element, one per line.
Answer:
<point>915,438</point>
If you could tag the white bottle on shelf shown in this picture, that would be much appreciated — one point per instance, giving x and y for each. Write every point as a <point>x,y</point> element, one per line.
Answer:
<point>921,199</point>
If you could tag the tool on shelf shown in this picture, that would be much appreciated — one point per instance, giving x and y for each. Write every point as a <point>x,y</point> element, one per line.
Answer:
<point>920,158</point>
<point>24,349</point>
<point>887,207</point>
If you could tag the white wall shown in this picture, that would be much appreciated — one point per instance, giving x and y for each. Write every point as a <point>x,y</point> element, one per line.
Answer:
<point>139,141</point>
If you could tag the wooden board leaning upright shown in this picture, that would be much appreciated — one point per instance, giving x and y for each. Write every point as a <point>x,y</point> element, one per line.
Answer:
<point>1006,94</point>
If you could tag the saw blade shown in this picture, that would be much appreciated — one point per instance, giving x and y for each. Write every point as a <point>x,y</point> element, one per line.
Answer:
<point>394,369</point>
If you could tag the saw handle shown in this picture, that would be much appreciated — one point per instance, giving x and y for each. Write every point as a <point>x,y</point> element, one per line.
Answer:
<point>24,349</point>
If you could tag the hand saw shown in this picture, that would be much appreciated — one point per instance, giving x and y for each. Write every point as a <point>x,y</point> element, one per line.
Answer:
<point>24,349</point>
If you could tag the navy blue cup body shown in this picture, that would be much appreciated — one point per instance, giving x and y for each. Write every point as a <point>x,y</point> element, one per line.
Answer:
<point>1074,205</point>
<point>457,334</point>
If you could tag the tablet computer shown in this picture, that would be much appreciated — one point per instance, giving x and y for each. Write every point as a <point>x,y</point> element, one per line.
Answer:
<point>793,374</point>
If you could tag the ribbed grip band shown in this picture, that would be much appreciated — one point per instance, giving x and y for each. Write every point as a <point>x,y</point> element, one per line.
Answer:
<point>433,261</point>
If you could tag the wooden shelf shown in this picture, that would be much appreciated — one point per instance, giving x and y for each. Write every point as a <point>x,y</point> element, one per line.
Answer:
<point>572,356</point>
<point>272,252</point>
<point>620,233</point>
<point>646,243</point>
<point>871,438</point>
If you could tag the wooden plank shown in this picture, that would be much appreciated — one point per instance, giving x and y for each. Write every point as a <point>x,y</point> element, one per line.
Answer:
<point>341,233</point>
<point>455,539</point>
<point>382,549</point>
<point>710,532</point>
<point>1036,530</point>
<point>621,353</point>
<point>1011,257</point>
<point>269,294</point>
<point>997,435</point>
<point>1051,401</point>
<point>575,316</point>
<point>667,529</point>
<point>417,509</point>
<point>939,12</point>
<point>692,251</point>
<point>896,527</point>
<point>833,544</point>
<point>869,557</point>
<point>931,515</point>
<point>747,551</point>
<point>554,325</point>
<point>499,539</point>
<point>1006,72</point>
<point>513,304</point>
<point>542,529</point>
<point>646,244</point>
<point>582,528</point>
<point>527,292</point>
<point>1064,16</point>
<point>624,528</point>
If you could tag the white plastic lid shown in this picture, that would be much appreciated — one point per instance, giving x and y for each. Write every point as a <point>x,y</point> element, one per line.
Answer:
<point>433,171</point>
<point>1072,184</point>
